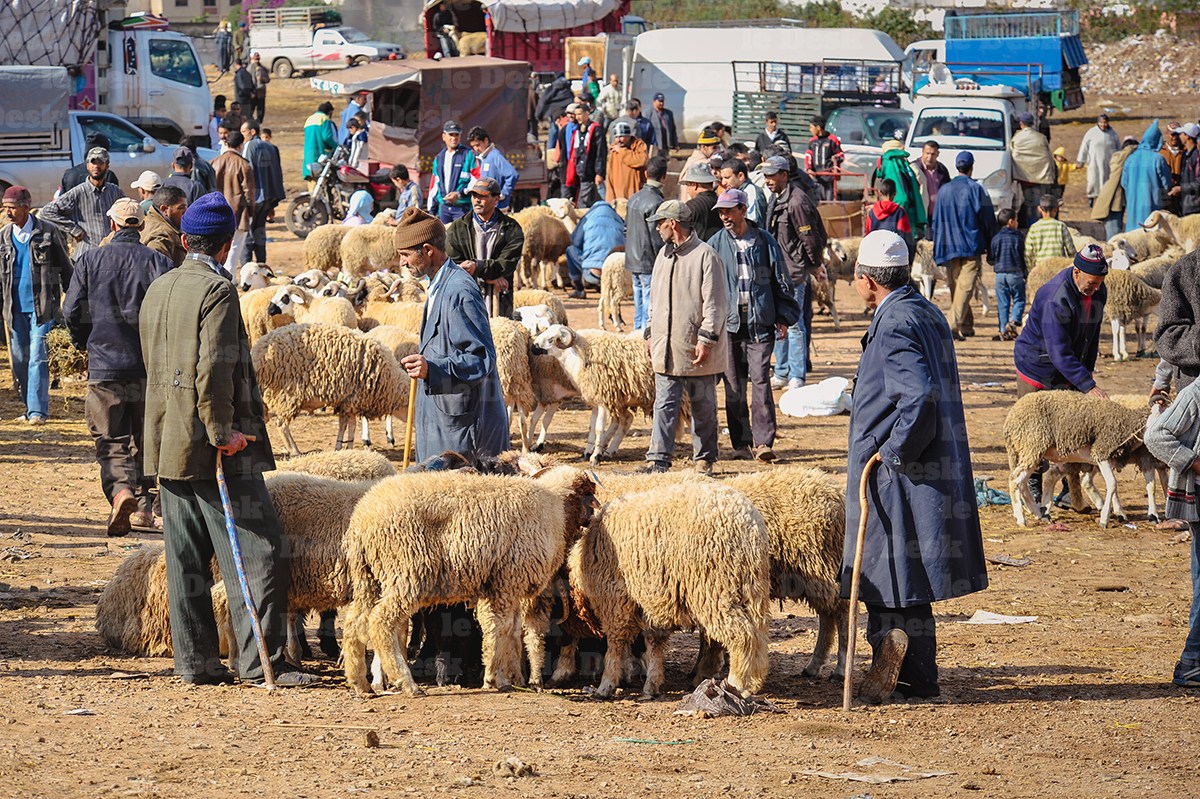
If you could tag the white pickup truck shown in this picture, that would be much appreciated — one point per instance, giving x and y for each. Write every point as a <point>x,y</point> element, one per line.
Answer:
<point>298,39</point>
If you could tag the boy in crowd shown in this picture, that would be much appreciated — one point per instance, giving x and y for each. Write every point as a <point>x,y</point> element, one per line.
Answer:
<point>1006,256</point>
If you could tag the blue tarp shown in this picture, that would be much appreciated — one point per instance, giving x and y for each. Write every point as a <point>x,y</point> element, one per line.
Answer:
<point>1049,51</point>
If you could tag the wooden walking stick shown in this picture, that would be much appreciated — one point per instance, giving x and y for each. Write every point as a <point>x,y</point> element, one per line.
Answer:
<point>408,424</point>
<point>231,528</point>
<point>855,580</point>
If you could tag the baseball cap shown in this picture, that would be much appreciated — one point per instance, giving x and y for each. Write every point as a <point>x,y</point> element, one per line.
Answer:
<point>882,248</point>
<point>732,198</point>
<point>148,180</point>
<point>572,108</point>
<point>452,127</point>
<point>97,154</point>
<point>660,96</point>
<point>671,209</point>
<point>127,213</point>
<point>1191,130</point>
<point>183,156</point>
<point>774,164</point>
<point>584,60</point>
<point>484,185</point>
<point>1026,119</point>
<point>964,159</point>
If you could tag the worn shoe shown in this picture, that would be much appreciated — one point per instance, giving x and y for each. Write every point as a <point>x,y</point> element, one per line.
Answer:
<point>795,382</point>
<point>1186,676</point>
<point>651,467</point>
<point>578,294</point>
<point>880,681</point>
<point>703,467</point>
<point>36,421</point>
<point>124,505</point>
<point>145,520</point>
<point>958,336</point>
<point>778,382</point>
<point>764,453</point>
<point>740,454</point>
<point>295,679</point>
<point>222,677</point>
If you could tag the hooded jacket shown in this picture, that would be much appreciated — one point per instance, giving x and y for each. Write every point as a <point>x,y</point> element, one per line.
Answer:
<point>1146,179</point>
<point>1111,199</point>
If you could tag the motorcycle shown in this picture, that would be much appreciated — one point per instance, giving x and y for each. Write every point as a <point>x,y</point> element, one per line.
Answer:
<point>330,198</point>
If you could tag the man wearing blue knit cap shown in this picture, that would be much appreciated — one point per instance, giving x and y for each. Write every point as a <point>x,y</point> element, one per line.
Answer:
<point>202,402</point>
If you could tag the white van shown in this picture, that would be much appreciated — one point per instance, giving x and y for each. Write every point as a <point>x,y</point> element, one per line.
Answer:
<point>693,67</point>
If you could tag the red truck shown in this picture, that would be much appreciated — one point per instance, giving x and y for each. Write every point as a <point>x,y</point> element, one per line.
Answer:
<point>524,30</point>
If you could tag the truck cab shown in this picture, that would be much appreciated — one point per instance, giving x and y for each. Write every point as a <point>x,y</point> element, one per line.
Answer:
<point>156,81</point>
<point>967,116</point>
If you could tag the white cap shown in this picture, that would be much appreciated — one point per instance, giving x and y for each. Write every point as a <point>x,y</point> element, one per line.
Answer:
<point>150,181</point>
<point>882,248</point>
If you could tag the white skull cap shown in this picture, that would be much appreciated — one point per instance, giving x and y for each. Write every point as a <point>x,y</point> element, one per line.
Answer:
<point>882,248</point>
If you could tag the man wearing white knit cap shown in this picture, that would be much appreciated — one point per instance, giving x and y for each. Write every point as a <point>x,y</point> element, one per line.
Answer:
<point>923,542</point>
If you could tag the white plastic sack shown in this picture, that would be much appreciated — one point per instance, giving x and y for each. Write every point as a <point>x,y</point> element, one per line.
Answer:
<point>827,398</point>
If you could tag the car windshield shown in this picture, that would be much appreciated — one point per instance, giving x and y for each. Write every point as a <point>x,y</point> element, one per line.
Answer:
<point>882,127</point>
<point>122,137</point>
<point>353,35</point>
<point>868,126</point>
<point>174,60</point>
<point>960,128</point>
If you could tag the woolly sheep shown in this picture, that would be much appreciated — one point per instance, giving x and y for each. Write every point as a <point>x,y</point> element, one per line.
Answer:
<point>1153,271</point>
<point>132,613</point>
<point>527,297</point>
<point>822,294</point>
<point>307,308</point>
<point>367,248</point>
<point>1183,230</point>
<point>673,556</point>
<point>258,276</point>
<point>383,311</point>
<point>402,343</point>
<point>256,316</point>
<point>353,465</point>
<point>1129,300</point>
<point>551,387</point>
<point>312,279</point>
<point>384,217</point>
<point>1142,244</point>
<point>430,538</point>
<point>1041,274</point>
<point>511,340</point>
<point>305,367</point>
<point>616,285</point>
<point>565,211</point>
<point>323,247</point>
<point>546,240</point>
<point>925,270</point>
<point>1070,427</point>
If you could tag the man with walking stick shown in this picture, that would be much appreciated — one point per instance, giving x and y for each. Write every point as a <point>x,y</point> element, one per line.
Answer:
<point>202,403</point>
<point>922,542</point>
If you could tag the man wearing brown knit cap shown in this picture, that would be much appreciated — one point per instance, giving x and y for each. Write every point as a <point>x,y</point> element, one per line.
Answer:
<point>459,403</point>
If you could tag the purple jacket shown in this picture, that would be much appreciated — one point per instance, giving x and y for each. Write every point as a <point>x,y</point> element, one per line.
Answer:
<point>1059,344</point>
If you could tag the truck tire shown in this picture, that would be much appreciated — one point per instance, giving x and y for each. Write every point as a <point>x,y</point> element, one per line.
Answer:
<point>282,68</point>
<point>305,213</point>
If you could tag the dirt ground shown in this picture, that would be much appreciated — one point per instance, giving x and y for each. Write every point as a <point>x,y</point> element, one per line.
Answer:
<point>1076,704</point>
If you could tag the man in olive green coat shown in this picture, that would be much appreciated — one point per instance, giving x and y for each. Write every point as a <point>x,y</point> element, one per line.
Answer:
<point>202,402</point>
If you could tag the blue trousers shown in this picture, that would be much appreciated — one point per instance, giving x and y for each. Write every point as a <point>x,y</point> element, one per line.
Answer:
<point>29,362</point>
<point>579,275</point>
<point>791,352</point>
<point>1113,224</point>
<point>1010,291</point>
<point>1188,667</point>
<point>641,301</point>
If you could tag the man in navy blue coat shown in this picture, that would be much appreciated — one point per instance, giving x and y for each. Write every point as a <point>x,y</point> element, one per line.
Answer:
<point>459,404</point>
<point>962,228</point>
<point>923,542</point>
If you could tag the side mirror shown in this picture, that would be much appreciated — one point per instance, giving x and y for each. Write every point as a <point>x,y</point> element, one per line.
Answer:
<point>149,145</point>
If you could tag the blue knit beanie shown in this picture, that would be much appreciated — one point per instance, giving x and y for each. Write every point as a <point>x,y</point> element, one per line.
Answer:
<point>1091,260</point>
<point>210,215</point>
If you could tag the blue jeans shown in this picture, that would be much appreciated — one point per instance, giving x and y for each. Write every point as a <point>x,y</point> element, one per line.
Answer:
<point>1113,224</point>
<point>1010,291</point>
<point>641,301</point>
<point>791,353</point>
<point>29,362</point>
<point>579,275</point>
<point>1189,661</point>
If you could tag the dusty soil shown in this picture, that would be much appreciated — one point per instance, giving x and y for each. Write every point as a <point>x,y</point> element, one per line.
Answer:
<point>1076,704</point>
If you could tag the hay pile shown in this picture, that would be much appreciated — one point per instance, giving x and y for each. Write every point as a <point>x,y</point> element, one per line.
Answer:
<point>65,360</point>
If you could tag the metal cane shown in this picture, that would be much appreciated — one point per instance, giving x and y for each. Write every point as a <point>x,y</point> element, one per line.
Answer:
<point>855,580</point>
<point>231,528</point>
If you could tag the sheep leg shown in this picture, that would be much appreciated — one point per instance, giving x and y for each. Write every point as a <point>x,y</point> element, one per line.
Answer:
<point>615,660</point>
<point>842,619</point>
<point>295,630</point>
<point>709,660</point>
<point>345,434</point>
<point>1110,483</point>
<point>1124,347</point>
<point>613,423</point>
<point>981,293</point>
<point>623,423</point>
<point>927,282</point>
<point>826,624</point>
<point>1018,487</point>
<point>1116,347</point>
<point>656,658</point>
<point>564,667</point>
<point>591,442</point>
<point>535,625</point>
<point>366,433</point>
<point>1151,508</point>
<point>391,439</point>
<point>501,622</point>
<point>293,450</point>
<point>354,646</point>
<point>523,426</point>
<point>388,626</point>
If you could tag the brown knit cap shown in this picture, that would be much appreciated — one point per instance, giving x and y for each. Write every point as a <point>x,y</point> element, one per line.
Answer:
<point>416,228</point>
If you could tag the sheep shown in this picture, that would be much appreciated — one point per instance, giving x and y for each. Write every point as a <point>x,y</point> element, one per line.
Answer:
<point>132,612</point>
<point>1079,240</point>
<point>256,317</point>
<point>258,276</point>
<point>511,340</point>
<point>402,289</point>
<point>925,270</point>
<point>527,297</point>
<point>312,279</point>
<point>422,539</point>
<point>822,294</point>
<point>613,376</point>
<point>385,217</point>
<point>1129,300</point>
<point>304,367</point>
<point>551,387</point>
<point>1153,271</point>
<point>473,43</point>
<point>402,343</point>
<point>307,308</point>
<point>346,291</point>
<point>1143,244</point>
<point>616,285</point>
<point>565,211</point>
<point>366,248</point>
<point>677,555</point>
<point>380,309</point>
<point>546,240</point>
<point>352,465</point>
<point>1183,230</point>
<point>1070,427</point>
<point>323,247</point>
<point>1041,274</point>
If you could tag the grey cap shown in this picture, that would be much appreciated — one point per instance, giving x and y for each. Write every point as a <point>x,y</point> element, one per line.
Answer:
<point>700,172</point>
<point>484,186</point>
<point>97,154</point>
<point>671,209</point>
<point>452,127</point>
<point>622,129</point>
<point>774,165</point>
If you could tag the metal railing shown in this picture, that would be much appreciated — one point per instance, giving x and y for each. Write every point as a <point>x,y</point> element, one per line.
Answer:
<point>772,22</point>
<point>1011,26</point>
<point>840,75</point>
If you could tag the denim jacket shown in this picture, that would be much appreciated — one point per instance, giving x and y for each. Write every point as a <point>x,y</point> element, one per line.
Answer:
<point>772,294</point>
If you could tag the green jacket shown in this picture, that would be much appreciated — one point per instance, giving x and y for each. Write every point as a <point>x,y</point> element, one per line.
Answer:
<point>200,382</point>
<point>506,253</point>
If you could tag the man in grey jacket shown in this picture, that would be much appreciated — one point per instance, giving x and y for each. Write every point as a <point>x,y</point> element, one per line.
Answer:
<point>686,338</point>
<point>642,241</point>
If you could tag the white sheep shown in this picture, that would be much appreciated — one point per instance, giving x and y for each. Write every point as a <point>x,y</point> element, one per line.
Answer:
<point>353,465</point>
<point>1153,271</point>
<point>367,248</point>
<point>305,367</point>
<point>1069,427</point>
<point>323,247</point>
<point>256,315</point>
<point>381,309</point>
<point>511,341</point>
<point>528,297</point>
<point>402,343</point>
<point>1129,300</point>
<point>1183,230</point>
<point>422,539</point>
<point>925,270</point>
<point>1142,244</point>
<point>616,286</point>
<point>673,556</point>
<point>257,276</point>
<point>312,279</point>
<point>308,308</point>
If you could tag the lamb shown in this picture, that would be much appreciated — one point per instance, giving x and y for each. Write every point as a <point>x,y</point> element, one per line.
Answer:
<point>307,308</point>
<point>358,376</point>
<point>616,285</point>
<point>1069,427</point>
<point>323,247</point>
<point>1143,244</point>
<point>1129,300</point>
<point>402,343</point>
<point>366,248</point>
<point>613,376</point>
<point>255,314</point>
<point>257,276</point>
<point>546,240</point>
<point>417,540</point>
<point>511,340</point>
<point>528,297</point>
<point>672,556</point>
<point>1184,231</point>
